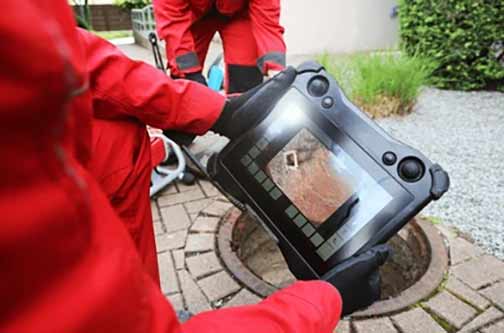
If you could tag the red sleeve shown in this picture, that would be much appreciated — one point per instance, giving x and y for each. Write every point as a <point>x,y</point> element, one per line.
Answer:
<point>122,87</point>
<point>304,307</point>
<point>265,16</point>
<point>173,24</point>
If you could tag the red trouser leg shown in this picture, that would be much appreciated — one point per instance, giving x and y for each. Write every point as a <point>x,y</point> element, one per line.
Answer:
<point>121,164</point>
<point>240,54</point>
<point>202,32</point>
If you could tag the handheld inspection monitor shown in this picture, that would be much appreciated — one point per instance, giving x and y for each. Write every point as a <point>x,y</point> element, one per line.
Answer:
<point>323,178</point>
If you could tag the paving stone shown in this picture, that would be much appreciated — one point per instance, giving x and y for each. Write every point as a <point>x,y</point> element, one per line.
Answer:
<point>167,274</point>
<point>158,228</point>
<point>179,259</point>
<point>496,294</point>
<point>205,224</point>
<point>194,207</point>
<point>243,297</point>
<point>480,272</point>
<point>466,293</point>
<point>221,197</point>
<point>343,327</point>
<point>490,315</point>
<point>200,242</point>
<point>155,211</point>
<point>381,325</point>
<point>171,241</point>
<point>451,309</point>
<point>194,298</point>
<point>203,264</point>
<point>175,218</point>
<point>209,189</point>
<point>461,250</point>
<point>178,198</point>
<point>177,301</point>
<point>218,208</point>
<point>417,321</point>
<point>218,286</point>
<point>495,328</point>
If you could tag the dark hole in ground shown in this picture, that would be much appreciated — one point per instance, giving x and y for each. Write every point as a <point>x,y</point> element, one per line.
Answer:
<point>258,252</point>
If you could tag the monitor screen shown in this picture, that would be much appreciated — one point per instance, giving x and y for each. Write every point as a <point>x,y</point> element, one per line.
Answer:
<point>318,181</point>
<point>313,181</point>
<point>311,177</point>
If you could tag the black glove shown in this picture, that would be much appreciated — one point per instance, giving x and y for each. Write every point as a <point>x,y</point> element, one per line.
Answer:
<point>358,279</point>
<point>180,138</point>
<point>243,112</point>
<point>196,77</point>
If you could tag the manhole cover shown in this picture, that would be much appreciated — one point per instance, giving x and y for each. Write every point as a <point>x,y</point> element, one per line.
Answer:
<point>413,272</point>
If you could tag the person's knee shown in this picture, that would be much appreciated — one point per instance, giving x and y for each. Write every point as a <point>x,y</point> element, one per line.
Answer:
<point>120,155</point>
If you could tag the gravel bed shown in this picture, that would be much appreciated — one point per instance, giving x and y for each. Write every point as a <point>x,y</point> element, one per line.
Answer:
<point>464,132</point>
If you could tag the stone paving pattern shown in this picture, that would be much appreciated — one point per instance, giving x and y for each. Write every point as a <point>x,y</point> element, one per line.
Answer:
<point>186,218</point>
<point>474,286</point>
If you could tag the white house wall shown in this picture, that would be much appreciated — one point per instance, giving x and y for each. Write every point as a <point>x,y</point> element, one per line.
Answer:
<point>338,26</point>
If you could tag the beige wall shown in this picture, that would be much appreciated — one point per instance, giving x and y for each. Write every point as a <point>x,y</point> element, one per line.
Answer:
<point>338,26</point>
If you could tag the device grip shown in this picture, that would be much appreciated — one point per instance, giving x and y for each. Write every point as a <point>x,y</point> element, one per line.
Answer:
<point>440,181</point>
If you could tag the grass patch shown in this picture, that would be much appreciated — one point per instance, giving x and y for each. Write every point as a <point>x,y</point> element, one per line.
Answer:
<point>433,219</point>
<point>381,84</point>
<point>114,34</point>
<point>441,321</point>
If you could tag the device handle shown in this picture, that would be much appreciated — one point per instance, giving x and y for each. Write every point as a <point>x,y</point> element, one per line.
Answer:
<point>440,181</point>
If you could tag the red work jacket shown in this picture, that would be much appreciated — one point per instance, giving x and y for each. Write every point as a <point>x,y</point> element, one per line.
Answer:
<point>175,17</point>
<point>67,262</point>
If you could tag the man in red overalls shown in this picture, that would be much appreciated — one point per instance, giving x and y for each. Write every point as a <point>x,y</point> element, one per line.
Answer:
<point>76,242</point>
<point>252,38</point>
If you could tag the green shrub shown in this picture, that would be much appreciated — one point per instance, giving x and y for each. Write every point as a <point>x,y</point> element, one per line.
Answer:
<point>130,4</point>
<point>381,84</point>
<point>82,13</point>
<point>462,36</point>
<point>82,23</point>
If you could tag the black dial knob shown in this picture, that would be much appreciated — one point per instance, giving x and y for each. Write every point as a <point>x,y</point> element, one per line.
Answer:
<point>389,158</point>
<point>318,86</point>
<point>411,169</point>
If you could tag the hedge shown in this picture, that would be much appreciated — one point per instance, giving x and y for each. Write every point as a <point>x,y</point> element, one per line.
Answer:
<point>464,37</point>
<point>130,4</point>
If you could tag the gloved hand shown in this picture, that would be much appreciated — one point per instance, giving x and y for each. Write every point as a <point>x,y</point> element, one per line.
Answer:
<point>180,138</point>
<point>243,112</point>
<point>196,77</point>
<point>358,279</point>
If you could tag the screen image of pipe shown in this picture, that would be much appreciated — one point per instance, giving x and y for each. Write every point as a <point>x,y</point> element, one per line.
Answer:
<point>304,171</point>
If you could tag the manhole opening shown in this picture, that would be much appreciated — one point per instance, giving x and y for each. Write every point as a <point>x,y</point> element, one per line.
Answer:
<point>261,255</point>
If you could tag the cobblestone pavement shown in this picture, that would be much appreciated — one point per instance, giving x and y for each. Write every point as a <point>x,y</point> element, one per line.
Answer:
<point>193,277</point>
<point>186,218</point>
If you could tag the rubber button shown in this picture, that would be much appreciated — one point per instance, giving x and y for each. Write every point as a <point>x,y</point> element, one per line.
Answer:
<point>411,169</point>
<point>389,158</point>
<point>327,102</point>
<point>318,86</point>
